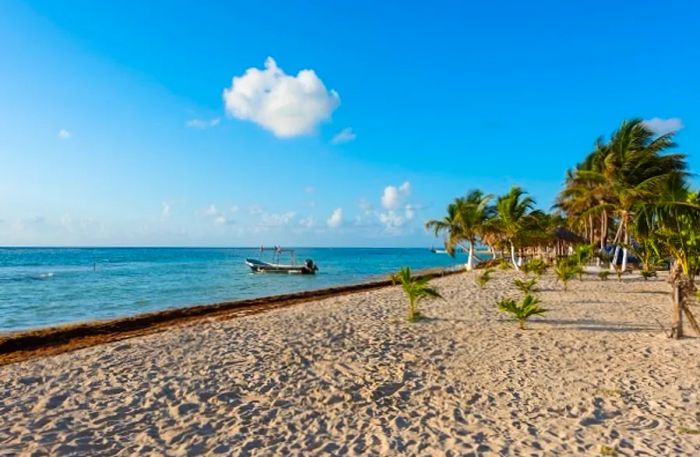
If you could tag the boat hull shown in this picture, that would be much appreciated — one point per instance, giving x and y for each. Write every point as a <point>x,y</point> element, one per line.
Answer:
<point>258,266</point>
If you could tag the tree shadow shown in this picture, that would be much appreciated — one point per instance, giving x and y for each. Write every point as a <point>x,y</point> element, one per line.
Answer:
<point>601,326</point>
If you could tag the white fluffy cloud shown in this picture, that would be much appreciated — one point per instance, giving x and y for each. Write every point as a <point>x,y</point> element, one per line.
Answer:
<point>202,123</point>
<point>336,218</point>
<point>64,134</point>
<point>393,196</point>
<point>344,136</point>
<point>663,126</point>
<point>398,213</point>
<point>286,105</point>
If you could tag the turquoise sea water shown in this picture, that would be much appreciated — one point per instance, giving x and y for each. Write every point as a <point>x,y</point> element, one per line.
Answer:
<point>48,286</point>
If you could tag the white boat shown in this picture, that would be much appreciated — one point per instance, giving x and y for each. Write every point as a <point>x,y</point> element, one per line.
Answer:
<point>260,266</point>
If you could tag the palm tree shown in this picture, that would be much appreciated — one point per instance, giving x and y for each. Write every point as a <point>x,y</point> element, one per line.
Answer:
<point>615,177</point>
<point>521,312</point>
<point>513,212</point>
<point>635,169</point>
<point>416,289</point>
<point>673,222</point>
<point>465,221</point>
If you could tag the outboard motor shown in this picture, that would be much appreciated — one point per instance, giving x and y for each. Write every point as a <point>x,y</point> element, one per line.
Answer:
<point>310,266</point>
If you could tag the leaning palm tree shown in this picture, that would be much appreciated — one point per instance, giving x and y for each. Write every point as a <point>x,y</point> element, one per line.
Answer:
<point>450,225</point>
<point>513,211</point>
<point>474,212</point>
<point>465,221</point>
<point>416,290</point>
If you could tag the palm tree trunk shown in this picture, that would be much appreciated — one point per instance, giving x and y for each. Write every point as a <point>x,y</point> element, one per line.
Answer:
<point>677,328</point>
<point>624,249</point>
<point>603,232</point>
<point>616,242</point>
<point>512,256</point>
<point>470,261</point>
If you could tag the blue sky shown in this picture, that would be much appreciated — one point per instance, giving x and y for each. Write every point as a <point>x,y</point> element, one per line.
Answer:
<point>114,128</point>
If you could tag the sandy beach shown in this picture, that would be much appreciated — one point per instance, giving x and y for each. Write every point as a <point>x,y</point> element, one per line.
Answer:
<point>348,375</point>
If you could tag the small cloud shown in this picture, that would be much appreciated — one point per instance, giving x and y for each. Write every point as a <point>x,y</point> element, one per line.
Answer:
<point>220,217</point>
<point>663,126</point>
<point>344,136</point>
<point>165,210</point>
<point>308,222</point>
<point>409,212</point>
<point>202,123</point>
<point>286,105</point>
<point>336,218</point>
<point>393,196</point>
<point>223,220</point>
<point>276,219</point>
<point>64,134</point>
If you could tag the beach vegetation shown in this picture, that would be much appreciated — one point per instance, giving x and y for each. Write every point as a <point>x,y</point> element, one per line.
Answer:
<point>566,270</point>
<point>523,310</point>
<point>608,451</point>
<point>416,290</point>
<point>514,217</point>
<point>465,222</point>
<point>526,286</point>
<point>603,275</point>
<point>484,277</point>
<point>628,197</point>
<point>536,266</point>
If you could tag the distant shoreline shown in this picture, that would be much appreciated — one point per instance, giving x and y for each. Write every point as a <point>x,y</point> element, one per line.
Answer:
<point>21,345</point>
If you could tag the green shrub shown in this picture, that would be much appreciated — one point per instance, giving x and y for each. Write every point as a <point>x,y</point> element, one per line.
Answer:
<point>522,311</point>
<point>504,265</point>
<point>484,277</point>
<point>416,289</point>
<point>536,266</point>
<point>646,274</point>
<point>608,451</point>
<point>565,270</point>
<point>526,287</point>
<point>603,275</point>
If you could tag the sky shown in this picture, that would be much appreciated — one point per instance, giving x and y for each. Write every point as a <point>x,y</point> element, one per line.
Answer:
<point>312,123</point>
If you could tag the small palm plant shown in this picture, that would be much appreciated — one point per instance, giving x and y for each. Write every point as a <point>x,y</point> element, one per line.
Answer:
<point>416,289</point>
<point>649,255</point>
<point>536,266</point>
<point>603,275</point>
<point>504,265</point>
<point>527,287</point>
<point>582,255</point>
<point>565,271</point>
<point>522,311</point>
<point>618,272</point>
<point>646,274</point>
<point>484,277</point>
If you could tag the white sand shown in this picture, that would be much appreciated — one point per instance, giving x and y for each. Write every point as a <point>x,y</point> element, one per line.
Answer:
<point>348,375</point>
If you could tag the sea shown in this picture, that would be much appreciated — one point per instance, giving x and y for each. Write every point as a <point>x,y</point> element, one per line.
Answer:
<point>42,287</point>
